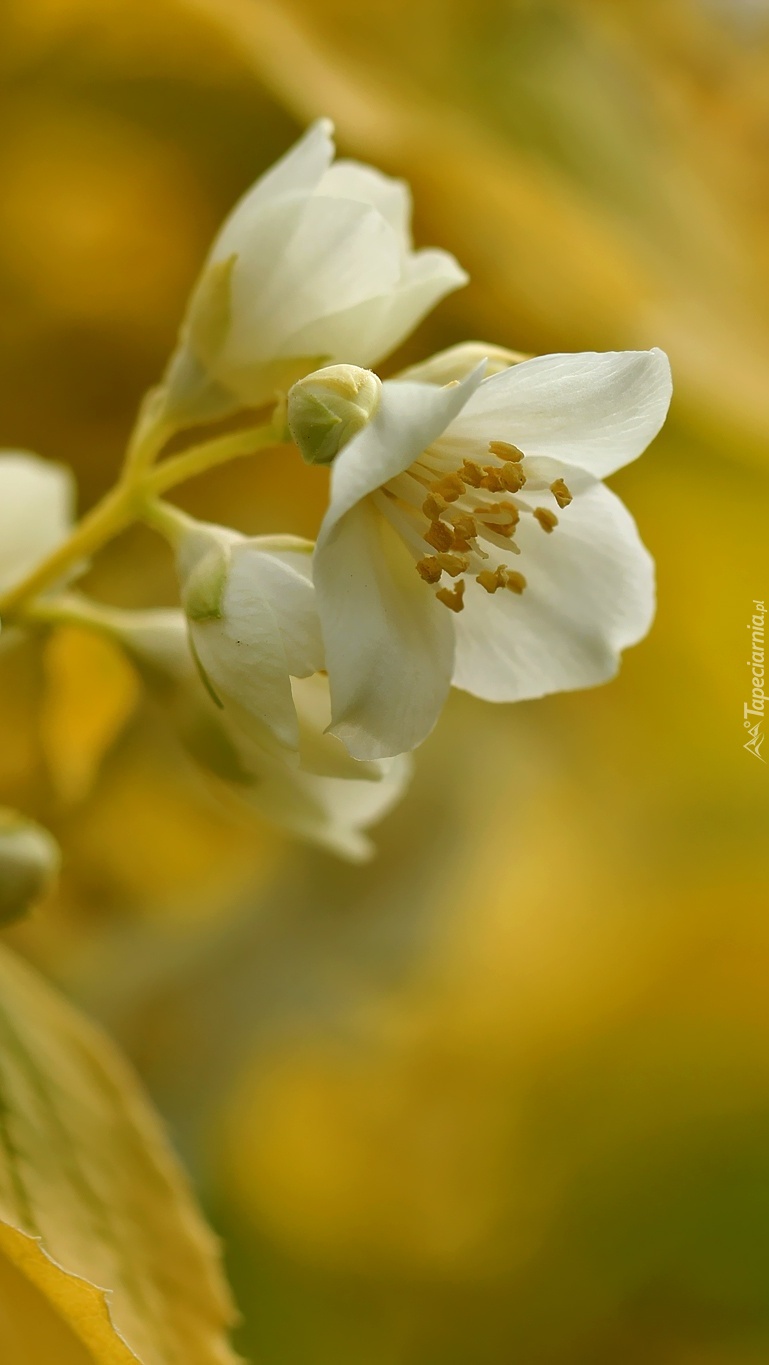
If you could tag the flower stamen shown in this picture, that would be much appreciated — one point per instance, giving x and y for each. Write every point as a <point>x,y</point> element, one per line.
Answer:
<point>507,510</point>
<point>453,564</point>
<point>512,477</point>
<point>450,487</point>
<point>515,581</point>
<point>440,536</point>
<point>492,478</point>
<point>561,493</point>
<point>453,598</point>
<point>504,450</point>
<point>546,518</point>
<point>501,577</point>
<point>472,473</point>
<point>429,569</point>
<point>434,506</point>
<point>464,525</point>
<point>491,579</point>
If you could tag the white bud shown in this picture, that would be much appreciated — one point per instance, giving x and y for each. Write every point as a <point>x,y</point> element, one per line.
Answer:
<point>29,862</point>
<point>455,364</point>
<point>327,408</point>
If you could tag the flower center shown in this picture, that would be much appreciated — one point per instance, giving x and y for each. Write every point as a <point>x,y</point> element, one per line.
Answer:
<point>463,513</point>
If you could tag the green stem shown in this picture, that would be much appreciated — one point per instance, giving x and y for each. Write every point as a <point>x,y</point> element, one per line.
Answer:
<point>207,456</point>
<point>71,609</point>
<point>115,511</point>
<point>127,503</point>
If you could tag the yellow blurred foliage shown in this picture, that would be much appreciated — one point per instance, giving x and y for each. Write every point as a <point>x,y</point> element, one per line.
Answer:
<point>91,691</point>
<point>94,1213</point>
<point>30,1328</point>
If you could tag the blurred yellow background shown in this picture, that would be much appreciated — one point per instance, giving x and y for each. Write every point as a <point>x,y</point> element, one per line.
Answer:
<point>503,1095</point>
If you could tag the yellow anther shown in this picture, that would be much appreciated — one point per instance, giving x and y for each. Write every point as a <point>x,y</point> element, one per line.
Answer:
<point>561,493</point>
<point>453,598</point>
<point>453,564</point>
<point>505,451</point>
<point>429,569</point>
<point>510,510</point>
<point>440,536</point>
<point>512,477</point>
<point>546,518</point>
<point>434,505</point>
<point>450,488</point>
<point>491,579</point>
<point>465,526</point>
<point>472,473</point>
<point>503,528</point>
<point>515,581</point>
<point>491,479</point>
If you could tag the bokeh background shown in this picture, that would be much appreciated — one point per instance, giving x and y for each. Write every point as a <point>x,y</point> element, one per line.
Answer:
<point>503,1094</point>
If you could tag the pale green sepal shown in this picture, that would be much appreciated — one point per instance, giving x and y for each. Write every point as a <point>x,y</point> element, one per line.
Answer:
<point>204,586</point>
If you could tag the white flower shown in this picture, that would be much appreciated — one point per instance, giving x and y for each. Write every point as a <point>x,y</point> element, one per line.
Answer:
<point>319,793</point>
<point>36,510</point>
<point>315,264</point>
<point>250,608</point>
<point>469,540</point>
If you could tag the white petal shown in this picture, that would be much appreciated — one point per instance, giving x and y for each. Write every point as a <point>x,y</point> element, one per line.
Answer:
<point>284,579</point>
<point>347,337</point>
<point>594,410</point>
<point>408,419</point>
<point>348,807</point>
<point>428,277</point>
<point>319,751</point>
<point>328,811</point>
<point>298,172</point>
<point>36,511</point>
<point>392,198</point>
<point>245,667</point>
<point>389,645</point>
<point>368,331</point>
<point>305,260</point>
<point>331,809</point>
<point>590,594</point>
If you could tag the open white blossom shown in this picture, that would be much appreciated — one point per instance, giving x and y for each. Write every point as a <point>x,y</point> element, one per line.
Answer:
<point>318,793</point>
<point>315,264</point>
<point>469,539</point>
<point>36,509</point>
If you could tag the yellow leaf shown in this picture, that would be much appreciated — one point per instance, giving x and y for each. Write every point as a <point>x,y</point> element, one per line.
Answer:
<point>104,1259</point>
<point>92,690</point>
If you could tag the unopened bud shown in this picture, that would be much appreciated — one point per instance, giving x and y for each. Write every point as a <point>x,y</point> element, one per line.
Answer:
<point>455,364</point>
<point>327,408</point>
<point>29,862</point>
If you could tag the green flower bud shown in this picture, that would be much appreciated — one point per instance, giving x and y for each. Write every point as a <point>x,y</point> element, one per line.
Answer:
<point>327,408</point>
<point>29,862</point>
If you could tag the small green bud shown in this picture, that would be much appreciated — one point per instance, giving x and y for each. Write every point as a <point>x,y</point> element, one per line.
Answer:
<point>327,408</point>
<point>29,862</point>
